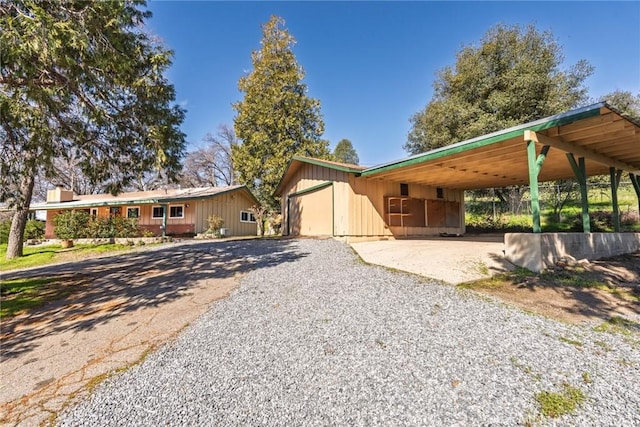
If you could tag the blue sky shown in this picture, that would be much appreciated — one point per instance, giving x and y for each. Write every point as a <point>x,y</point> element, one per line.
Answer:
<point>372,64</point>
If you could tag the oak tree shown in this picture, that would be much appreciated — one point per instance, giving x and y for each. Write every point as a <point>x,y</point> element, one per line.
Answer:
<point>85,81</point>
<point>514,76</point>
<point>275,119</point>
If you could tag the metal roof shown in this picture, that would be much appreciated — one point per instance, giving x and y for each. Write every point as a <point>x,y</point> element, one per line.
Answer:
<point>597,132</point>
<point>143,197</point>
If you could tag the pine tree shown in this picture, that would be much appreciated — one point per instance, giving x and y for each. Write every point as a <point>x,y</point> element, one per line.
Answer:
<point>82,81</point>
<point>345,153</point>
<point>276,119</point>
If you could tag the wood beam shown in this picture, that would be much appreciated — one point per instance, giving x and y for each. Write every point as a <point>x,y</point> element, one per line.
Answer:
<point>615,182</point>
<point>577,150</point>
<point>580,171</point>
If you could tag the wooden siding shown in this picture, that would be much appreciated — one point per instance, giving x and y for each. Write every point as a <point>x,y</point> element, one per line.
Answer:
<point>311,213</point>
<point>359,204</point>
<point>195,213</point>
<point>228,206</point>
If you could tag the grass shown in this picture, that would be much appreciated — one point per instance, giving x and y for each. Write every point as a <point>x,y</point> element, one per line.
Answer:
<point>572,342</point>
<point>555,404</point>
<point>35,256</point>
<point>21,295</point>
<point>618,325</point>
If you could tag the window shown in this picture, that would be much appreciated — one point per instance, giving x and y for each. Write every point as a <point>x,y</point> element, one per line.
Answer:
<point>94,212</point>
<point>158,212</point>
<point>247,217</point>
<point>404,189</point>
<point>176,211</point>
<point>114,211</point>
<point>133,212</point>
<point>440,193</point>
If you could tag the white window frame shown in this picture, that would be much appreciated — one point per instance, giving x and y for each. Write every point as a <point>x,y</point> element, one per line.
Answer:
<point>250,215</point>
<point>133,207</point>
<point>176,206</point>
<point>153,209</point>
<point>93,212</point>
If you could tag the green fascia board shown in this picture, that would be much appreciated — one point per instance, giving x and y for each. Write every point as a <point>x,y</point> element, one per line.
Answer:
<point>156,201</point>
<point>231,190</point>
<point>316,162</point>
<point>329,165</point>
<point>311,189</point>
<point>492,138</point>
<point>78,204</point>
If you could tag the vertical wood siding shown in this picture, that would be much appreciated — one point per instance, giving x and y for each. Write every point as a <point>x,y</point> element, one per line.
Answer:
<point>227,206</point>
<point>359,204</point>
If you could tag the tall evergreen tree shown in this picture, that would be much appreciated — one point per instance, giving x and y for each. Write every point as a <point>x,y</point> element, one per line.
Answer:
<point>345,153</point>
<point>81,80</point>
<point>276,119</point>
<point>513,77</point>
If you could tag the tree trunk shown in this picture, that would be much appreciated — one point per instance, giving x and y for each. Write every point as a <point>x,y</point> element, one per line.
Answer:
<point>19,221</point>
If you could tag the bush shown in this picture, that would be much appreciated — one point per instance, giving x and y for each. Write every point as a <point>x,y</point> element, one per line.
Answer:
<point>79,225</point>
<point>71,224</point>
<point>215,223</point>
<point>34,229</point>
<point>5,226</point>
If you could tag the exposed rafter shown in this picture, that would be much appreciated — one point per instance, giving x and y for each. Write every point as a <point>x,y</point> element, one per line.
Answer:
<point>568,147</point>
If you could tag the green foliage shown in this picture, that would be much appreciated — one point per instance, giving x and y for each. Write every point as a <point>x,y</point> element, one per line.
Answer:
<point>275,120</point>
<point>626,103</point>
<point>80,225</point>
<point>5,225</point>
<point>345,153</point>
<point>215,223</point>
<point>34,229</point>
<point>71,224</point>
<point>513,77</point>
<point>83,80</point>
<point>555,404</point>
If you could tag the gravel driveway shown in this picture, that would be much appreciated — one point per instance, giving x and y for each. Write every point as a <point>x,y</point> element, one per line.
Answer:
<point>323,339</point>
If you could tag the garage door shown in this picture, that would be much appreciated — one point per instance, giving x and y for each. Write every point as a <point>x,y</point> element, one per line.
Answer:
<point>310,214</point>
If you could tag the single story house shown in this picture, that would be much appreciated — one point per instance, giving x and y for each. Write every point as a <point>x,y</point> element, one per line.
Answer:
<point>171,211</point>
<point>424,194</point>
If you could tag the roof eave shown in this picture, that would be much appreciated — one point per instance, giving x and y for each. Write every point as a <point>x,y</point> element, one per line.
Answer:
<point>491,138</point>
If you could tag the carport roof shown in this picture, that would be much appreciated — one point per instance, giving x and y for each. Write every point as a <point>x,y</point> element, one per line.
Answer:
<point>599,133</point>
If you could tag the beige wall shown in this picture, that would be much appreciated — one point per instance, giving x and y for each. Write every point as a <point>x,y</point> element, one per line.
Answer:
<point>311,213</point>
<point>195,213</point>
<point>227,206</point>
<point>359,204</point>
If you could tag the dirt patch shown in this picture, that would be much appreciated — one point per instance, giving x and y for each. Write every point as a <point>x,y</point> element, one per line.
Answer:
<point>574,292</point>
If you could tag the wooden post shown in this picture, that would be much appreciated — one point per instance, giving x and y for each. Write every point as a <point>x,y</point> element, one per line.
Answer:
<point>635,180</point>
<point>615,181</point>
<point>580,171</point>
<point>535,165</point>
<point>164,219</point>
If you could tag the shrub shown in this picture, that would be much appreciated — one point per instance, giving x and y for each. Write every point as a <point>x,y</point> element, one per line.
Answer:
<point>5,226</point>
<point>215,223</point>
<point>71,224</point>
<point>34,229</point>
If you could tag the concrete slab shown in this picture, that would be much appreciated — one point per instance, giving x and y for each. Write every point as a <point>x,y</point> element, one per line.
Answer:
<point>450,259</point>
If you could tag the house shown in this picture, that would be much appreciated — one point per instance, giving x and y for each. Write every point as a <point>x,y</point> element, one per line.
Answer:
<point>171,211</point>
<point>325,198</point>
<point>424,194</point>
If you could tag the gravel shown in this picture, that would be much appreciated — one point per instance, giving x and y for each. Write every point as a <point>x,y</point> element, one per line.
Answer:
<point>313,336</point>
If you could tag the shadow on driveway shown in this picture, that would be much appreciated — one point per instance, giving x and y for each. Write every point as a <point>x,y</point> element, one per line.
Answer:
<point>124,283</point>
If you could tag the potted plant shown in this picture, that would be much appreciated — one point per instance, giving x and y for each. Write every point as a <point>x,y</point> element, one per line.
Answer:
<point>215,224</point>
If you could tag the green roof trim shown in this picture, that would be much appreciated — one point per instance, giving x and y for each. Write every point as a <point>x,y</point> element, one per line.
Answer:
<point>78,204</point>
<point>327,164</point>
<point>492,138</point>
<point>311,189</point>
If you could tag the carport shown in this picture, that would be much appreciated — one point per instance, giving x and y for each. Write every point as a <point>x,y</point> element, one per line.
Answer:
<point>594,140</point>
